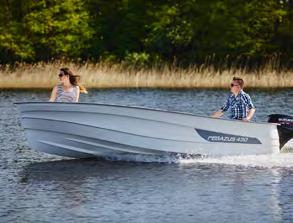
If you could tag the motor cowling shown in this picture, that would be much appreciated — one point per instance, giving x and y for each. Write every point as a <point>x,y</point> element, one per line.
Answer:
<point>285,127</point>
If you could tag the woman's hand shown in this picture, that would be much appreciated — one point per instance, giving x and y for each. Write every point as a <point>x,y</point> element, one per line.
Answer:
<point>53,95</point>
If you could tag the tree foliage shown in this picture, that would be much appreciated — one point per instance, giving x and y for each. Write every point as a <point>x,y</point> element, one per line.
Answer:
<point>146,32</point>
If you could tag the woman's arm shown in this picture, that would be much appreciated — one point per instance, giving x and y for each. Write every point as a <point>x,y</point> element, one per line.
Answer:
<point>53,94</point>
<point>77,93</point>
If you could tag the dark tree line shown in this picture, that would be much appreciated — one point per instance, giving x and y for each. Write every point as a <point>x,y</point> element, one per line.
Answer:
<point>147,32</point>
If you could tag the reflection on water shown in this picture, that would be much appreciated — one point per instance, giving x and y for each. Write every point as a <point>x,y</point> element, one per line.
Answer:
<point>156,192</point>
<point>37,187</point>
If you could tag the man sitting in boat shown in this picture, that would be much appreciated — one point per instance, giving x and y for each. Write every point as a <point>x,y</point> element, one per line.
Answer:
<point>238,103</point>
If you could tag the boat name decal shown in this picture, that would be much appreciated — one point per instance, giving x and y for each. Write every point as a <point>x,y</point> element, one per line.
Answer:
<point>286,121</point>
<point>226,138</point>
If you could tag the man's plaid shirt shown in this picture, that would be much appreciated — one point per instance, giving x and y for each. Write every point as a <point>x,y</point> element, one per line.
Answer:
<point>238,106</point>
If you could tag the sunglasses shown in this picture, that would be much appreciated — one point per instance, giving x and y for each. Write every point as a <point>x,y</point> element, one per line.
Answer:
<point>61,74</point>
<point>232,85</point>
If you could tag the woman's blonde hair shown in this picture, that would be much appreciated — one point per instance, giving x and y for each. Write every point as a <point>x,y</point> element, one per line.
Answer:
<point>74,79</point>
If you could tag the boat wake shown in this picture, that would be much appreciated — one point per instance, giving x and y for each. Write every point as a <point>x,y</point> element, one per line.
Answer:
<point>279,160</point>
<point>282,160</point>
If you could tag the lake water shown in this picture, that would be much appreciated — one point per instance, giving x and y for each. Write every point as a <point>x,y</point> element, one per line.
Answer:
<point>36,187</point>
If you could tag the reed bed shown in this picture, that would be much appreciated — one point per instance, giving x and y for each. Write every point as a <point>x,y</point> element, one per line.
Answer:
<point>106,75</point>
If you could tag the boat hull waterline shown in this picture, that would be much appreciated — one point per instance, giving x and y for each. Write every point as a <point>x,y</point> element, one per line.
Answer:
<point>82,130</point>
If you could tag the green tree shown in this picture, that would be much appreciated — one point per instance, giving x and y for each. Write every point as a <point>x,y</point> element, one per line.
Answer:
<point>192,30</point>
<point>138,31</point>
<point>58,28</point>
<point>14,44</point>
<point>119,26</point>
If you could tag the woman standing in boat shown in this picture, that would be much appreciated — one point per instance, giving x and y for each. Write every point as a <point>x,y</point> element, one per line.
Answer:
<point>69,89</point>
<point>238,103</point>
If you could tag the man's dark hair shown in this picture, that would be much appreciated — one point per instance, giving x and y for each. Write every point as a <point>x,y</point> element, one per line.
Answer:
<point>239,81</point>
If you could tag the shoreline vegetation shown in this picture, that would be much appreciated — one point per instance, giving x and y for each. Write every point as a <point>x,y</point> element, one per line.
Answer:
<point>44,75</point>
<point>147,44</point>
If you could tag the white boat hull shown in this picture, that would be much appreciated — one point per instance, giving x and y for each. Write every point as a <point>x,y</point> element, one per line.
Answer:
<point>88,130</point>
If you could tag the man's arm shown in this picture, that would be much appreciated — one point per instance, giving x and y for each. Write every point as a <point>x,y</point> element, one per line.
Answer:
<point>249,115</point>
<point>251,108</point>
<point>217,114</point>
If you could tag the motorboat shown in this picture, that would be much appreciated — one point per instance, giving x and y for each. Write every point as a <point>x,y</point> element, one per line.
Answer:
<point>82,130</point>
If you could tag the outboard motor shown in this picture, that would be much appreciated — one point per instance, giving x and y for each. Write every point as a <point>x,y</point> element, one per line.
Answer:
<point>285,127</point>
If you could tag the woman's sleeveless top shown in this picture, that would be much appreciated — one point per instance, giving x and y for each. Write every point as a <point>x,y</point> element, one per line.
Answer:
<point>64,96</point>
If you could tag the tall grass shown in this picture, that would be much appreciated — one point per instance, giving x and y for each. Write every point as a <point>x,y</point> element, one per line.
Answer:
<point>107,75</point>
